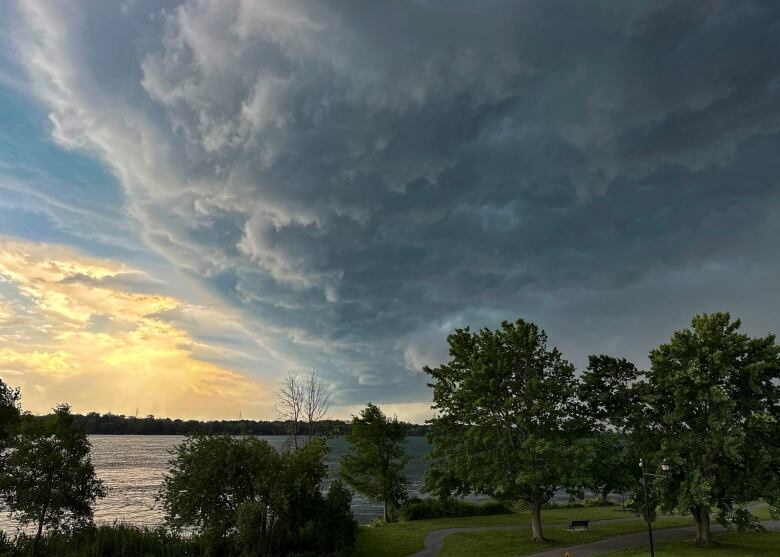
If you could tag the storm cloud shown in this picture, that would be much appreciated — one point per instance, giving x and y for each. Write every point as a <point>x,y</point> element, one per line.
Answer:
<point>358,178</point>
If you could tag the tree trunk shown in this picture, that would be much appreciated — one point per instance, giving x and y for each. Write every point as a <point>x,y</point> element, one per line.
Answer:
<point>536,521</point>
<point>40,529</point>
<point>702,516</point>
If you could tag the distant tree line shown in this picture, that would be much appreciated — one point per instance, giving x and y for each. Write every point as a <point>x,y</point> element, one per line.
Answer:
<point>117,424</point>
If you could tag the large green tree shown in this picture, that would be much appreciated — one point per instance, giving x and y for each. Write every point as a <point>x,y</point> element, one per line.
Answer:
<point>211,476</point>
<point>375,461</point>
<point>507,418</point>
<point>709,405</point>
<point>49,479</point>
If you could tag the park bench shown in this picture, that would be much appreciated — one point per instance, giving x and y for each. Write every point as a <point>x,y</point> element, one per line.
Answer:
<point>578,525</point>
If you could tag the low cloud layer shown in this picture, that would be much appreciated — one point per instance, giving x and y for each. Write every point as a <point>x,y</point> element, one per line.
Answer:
<point>357,178</point>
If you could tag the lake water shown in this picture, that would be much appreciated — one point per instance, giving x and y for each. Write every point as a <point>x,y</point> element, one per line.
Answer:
<point>132,467</point>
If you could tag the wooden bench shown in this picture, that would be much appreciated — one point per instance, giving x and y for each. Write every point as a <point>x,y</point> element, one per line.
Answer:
<point>578,525</point>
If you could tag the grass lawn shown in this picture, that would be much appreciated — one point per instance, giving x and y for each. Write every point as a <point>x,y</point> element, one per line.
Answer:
<point>405,538</point>
<point>762,513</point>
<point>510,543</point>
<point>752,544</point>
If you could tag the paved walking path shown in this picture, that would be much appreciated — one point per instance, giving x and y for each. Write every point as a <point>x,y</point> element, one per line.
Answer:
<point>434,541</point>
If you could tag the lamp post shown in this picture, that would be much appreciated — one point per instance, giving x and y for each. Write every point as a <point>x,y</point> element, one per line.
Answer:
<point>665,468</point>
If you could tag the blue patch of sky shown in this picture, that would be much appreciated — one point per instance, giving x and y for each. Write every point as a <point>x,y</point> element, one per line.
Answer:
<point>52,194</point>
<point>26,147</point>
<point>56,195</point>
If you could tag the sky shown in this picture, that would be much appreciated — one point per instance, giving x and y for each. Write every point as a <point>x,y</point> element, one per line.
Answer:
<point>199,196</point>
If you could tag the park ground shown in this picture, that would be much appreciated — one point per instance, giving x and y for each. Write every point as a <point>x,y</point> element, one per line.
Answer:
<point>753,544</point>
<point>406,538</point>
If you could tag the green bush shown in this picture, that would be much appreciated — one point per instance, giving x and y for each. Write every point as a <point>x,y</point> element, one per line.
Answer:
<point>596,502</point>
<point>420,509</point>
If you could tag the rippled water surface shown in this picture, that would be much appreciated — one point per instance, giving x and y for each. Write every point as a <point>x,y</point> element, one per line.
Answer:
<point>132,467</point>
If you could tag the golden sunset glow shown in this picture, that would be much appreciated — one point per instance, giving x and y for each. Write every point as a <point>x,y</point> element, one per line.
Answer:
<point>71,332</point>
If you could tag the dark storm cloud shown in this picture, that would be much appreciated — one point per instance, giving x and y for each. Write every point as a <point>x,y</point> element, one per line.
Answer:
<point>360,178</point>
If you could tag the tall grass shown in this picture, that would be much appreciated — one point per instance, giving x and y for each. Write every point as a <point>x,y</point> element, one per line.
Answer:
<point>119,540</point>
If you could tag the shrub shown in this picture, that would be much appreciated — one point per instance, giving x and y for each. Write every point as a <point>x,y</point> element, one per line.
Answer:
<point>597,502</point>
<point>419,509</point>
<point>243,497</point>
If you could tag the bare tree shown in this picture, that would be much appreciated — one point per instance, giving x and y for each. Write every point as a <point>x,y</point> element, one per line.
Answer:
<point>316,401</point>
<point>290,405</point>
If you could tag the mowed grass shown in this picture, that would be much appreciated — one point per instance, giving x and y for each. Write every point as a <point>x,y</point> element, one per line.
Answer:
<point>510,543</point>
<point>404,538</point>
<point>750,544</point>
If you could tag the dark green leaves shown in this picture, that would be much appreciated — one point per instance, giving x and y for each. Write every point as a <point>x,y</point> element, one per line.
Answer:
<point>48,478</point>
<point>241,493</point>
<point>507,416</point>
<point>374,464</point>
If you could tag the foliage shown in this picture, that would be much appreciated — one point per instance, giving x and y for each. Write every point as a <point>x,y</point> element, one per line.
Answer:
<point>375,461</point>
<point>9,421</point>
<point>419,509</point>
<point>118,540</point>
<point>607,390</point>
<point>710,405</point>
<point>113,424</point>
<point>508,418</point>
<point>49,479</point>
<point>608,464</point>
<point>211,476</point>
<point>241,493</point>
<point>583,504</point>
<point>336,527</point>
<point>9,414</point>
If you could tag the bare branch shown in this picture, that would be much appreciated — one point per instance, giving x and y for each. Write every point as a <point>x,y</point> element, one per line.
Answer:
<point>316,399</point>
<point>291,400</point>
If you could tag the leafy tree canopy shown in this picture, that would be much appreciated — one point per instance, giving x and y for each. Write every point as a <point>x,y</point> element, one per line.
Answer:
<point>49,479</point>
<point>375,461</point>
<point>710,406</point>
<point>241,492</point>
<point>507,418</point>
<point>9,414</point>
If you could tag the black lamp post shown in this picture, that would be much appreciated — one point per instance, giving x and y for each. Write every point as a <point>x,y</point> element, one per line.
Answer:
<point>665,468</point>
